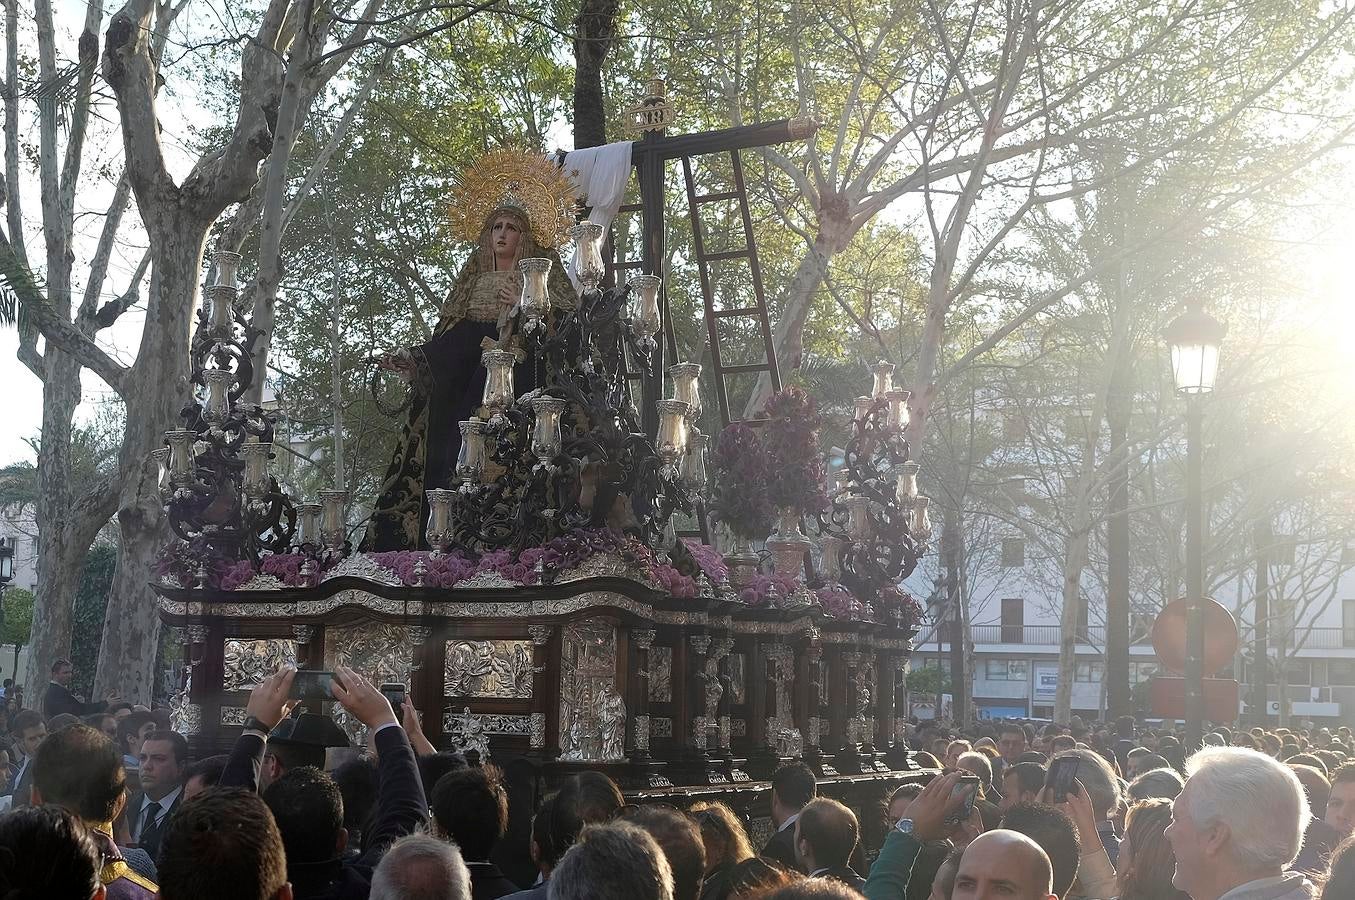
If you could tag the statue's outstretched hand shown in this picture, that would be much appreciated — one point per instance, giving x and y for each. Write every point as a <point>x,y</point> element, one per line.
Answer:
<point>399,362</point>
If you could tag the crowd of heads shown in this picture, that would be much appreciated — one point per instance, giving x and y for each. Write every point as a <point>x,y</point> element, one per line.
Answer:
<point>113,803</point>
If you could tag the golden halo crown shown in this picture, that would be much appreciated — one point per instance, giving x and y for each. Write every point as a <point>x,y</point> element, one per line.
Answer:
<point>519,180</point>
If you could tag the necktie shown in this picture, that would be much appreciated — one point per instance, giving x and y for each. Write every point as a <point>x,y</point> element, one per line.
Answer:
<point>148,822</point>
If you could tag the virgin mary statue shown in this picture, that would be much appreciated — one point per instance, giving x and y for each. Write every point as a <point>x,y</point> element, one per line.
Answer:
<point>514,205</point>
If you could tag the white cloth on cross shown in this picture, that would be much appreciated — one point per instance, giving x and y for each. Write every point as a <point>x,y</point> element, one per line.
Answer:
<point>600,175</point>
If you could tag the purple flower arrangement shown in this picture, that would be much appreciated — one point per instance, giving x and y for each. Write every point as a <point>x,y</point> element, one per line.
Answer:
<point>741,481</point>
<point>796,470</point>
<point>710,561</point>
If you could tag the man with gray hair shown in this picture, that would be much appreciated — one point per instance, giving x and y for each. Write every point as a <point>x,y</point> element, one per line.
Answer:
<point>1237,826</point>
<point>617,861</point>
<point>421,867</point>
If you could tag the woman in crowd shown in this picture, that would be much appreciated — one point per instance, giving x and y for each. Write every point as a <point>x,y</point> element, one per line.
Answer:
<point>1340,882</point>
<point>1146,862</point>
<point>726,844</point>
<point>757,877</point>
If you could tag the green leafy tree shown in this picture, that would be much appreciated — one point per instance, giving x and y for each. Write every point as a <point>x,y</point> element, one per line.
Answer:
<point>18,627</point>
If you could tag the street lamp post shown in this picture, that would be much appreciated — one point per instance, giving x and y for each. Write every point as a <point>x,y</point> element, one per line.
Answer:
<point>1194,338</point>
<point>6,573</point>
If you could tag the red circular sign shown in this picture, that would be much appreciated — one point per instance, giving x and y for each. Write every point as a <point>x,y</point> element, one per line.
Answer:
<point>1220,636</point>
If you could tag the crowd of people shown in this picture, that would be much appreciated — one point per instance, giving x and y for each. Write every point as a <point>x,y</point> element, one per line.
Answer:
<point>103,801</point>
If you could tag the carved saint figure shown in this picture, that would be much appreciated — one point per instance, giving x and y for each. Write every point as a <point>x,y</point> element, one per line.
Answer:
<point>612,723</point>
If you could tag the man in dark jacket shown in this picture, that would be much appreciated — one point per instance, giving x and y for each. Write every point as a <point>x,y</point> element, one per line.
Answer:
<point>400,806</point>
<point>793,785</point>
<point>470,808</point>
<point>826,833</point>
<point>59,698</point>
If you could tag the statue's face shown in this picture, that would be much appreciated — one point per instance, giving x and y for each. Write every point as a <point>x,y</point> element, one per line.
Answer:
<point>504,236</point>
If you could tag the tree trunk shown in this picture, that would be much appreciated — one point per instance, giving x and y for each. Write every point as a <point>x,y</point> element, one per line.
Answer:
<point>594,31</point>
<point>1119,698</point>
<point>156,392</point>
<point>1074,562</point>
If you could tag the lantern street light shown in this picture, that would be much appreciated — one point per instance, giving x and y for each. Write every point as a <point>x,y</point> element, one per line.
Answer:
<point>1194,338</point>
<point>6,573</point>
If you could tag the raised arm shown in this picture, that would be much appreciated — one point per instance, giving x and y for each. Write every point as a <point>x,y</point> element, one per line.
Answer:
<point>268,704</point>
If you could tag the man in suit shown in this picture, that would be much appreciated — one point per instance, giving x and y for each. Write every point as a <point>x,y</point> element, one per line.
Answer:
<point>29,730</point>
<point>59,698</point>
<point>826,833</point>
<point>164,756</point>
<point>793,785</point>
<point>77,768</point>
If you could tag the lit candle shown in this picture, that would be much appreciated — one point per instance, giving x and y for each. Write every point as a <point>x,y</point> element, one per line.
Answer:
<point>645,317</point>
<point>498,394</point>
<point>470,461</point>
<point>588,255</point>
<point>685,387</point>
<point>222,298</point>
<point>546,433</point>
<point>906,483</point>
<point>863,405</point>
<point>831,558</point>
<point>884,379</point>
<point>858,518</point>
<point>218,383</point>
<point>535,292</point>
<point>672,440</point>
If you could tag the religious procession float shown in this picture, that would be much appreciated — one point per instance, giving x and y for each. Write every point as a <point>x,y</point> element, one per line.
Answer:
<point>540,568</point>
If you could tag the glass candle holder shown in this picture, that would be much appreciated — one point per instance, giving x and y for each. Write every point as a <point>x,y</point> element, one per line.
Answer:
<point>672,439</point>
<point>222,299</point>
<point>160,456</point>
<point>645,316</point>
<point>333,519</point>
<point>693,470</point>
<point>884,379</point>
<point>227,266</point>
<point>535,293</point>
<point>905,483</point>
<point>686,387</point>
<point>470,461</point>
<point>863,405</point>
<point>546,432</point>
<point>830,561</point>
<point>922,521</point>
<point>180,454</point>
<point>218,382</point>
<point>898,409</point>
<point>256,454</point>
<point>308,524</point>
<point>439,518</point>
<point>588,265</point>
<point>858,518</point>
<point>498,394</point>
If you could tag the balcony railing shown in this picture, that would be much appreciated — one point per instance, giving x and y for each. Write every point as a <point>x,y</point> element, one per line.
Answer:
<point>1095,636</point>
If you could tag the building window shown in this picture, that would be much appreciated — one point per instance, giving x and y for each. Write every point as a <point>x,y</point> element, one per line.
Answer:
<point>1013,620</point>
<point>1089,672</point>
<point>1013,552</point>
<point>1300,671</point>
<point>1348,623</point>
<point>1006,670</point>
<point>1341,671</point>
<point>1140,672</point>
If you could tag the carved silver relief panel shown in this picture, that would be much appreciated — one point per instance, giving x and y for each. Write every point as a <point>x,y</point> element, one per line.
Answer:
<point>376,650</point>
<point>738,678</point>
<point>500,669</point>
<point>249,662</point>
<point>662,727</point>
<point>592,713</point>
<point>233,715</point>
<point>661,674</point>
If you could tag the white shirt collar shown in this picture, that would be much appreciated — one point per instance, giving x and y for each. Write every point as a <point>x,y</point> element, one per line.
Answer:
<point>1258,884</point>
<point>165,802</point>
<point>790,820</point>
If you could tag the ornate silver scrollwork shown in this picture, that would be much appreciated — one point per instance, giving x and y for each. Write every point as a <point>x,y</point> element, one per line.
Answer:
<point>233,715</point>
<point>303,634</point>
<point>360,565</point>
<point>738,680</point>
<point>721,647</point>
<point>540,634</point>
<point>661,674</point>
<point>700,643</point>
<point>263,582</point>
<point>197,633</point>
<point>815,729</point>
<point>247,663</point>
<point>468,732</point>
<point>185,717</point>
<point>498,668</point>
<point>661,726</point>
<point>380,651</point>
<point>537,738</point>
<point>642,732</point>
<point>643,637</point>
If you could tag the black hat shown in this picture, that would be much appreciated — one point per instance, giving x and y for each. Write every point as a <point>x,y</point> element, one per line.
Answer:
<point>310,730</point>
